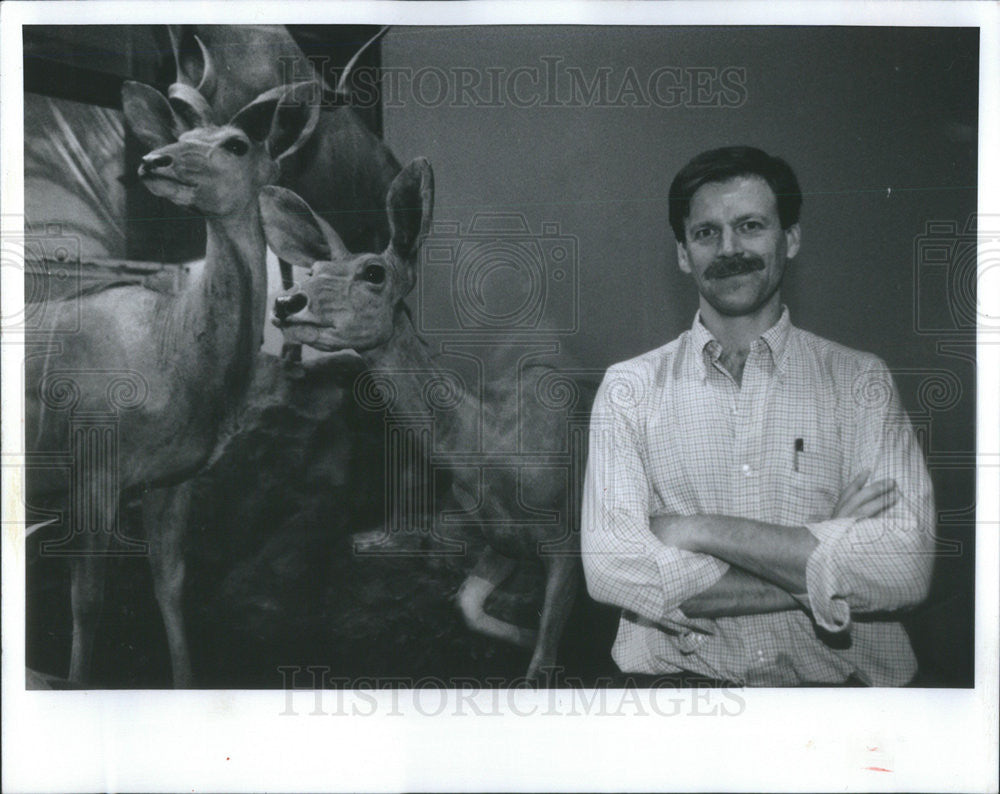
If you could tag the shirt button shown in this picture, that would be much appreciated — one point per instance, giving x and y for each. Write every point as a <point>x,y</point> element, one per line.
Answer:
<point>746,469</point>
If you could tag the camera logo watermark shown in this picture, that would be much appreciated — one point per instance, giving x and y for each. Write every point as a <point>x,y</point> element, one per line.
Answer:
<point>960,262</point>
<point>489,413</point>
<point>499,276</point>
<point>49,261</point>
<point>73,412</point>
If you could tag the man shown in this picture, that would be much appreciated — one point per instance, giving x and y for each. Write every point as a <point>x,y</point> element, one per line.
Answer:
<point>756,502</point>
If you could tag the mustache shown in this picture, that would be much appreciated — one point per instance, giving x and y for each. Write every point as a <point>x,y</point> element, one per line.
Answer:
<point>733,265</point>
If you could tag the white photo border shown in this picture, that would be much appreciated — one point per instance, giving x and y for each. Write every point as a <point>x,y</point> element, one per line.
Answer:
<point>936,740</point>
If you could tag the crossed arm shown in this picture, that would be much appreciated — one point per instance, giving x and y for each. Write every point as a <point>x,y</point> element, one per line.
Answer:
<point>768,561</point>
<point>874,554</point>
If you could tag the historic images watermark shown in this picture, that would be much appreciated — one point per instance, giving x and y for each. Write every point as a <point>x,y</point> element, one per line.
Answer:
<point>313,691</point>
<point>551,82</point>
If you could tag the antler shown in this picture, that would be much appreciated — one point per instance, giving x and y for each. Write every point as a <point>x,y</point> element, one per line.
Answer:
<point>342,82</point>
<point>190,100</point>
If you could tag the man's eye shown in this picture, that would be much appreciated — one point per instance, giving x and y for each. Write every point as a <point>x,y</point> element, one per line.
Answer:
<point>752,226</point>
<point>374,274</point>
<point>702,234</point>
<point>237,146</point>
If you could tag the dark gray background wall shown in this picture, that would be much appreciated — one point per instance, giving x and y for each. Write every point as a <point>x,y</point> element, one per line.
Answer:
<point>880,125</point>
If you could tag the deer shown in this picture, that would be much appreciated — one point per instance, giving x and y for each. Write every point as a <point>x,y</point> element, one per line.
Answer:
<point>188,355</point>
<point>343,171</point>
<point>356,301</point>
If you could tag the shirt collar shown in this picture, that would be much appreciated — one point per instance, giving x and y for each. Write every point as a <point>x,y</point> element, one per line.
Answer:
<point>775,338</point>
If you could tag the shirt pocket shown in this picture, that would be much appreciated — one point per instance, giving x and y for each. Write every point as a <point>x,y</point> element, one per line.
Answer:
<point>811,481</point>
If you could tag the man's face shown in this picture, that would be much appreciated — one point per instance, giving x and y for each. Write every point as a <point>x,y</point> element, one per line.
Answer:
<point>735,248</point>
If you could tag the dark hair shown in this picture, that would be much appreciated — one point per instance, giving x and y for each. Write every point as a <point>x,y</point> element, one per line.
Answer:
<point>721,165</point>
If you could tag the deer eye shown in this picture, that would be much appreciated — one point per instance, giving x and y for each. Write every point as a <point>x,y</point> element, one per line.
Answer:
<point>374,274</point>
<point>237,146</point>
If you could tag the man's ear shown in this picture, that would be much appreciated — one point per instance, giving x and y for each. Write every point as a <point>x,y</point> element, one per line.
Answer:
<point>294,232</point>
<point>149,115</point>
<point>283,117</point>
<point>410,205</point>
<point>793,237</point>
<point>682,258</point>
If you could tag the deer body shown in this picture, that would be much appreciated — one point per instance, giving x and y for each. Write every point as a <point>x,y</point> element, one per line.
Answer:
<point>169,341</point>
<point>356,301</point>
<point>191,353</point>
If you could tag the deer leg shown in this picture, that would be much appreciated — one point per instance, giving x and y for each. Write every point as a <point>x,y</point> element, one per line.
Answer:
<point>166,513</point>
<point>562,579</point>
<point>291,353</point>
<point>491,570</point>
<point>87,575</point>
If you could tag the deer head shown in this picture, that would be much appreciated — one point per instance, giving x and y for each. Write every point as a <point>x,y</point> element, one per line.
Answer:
<point>217,169</point>
<point>229,65</point>
<point>348,300</point>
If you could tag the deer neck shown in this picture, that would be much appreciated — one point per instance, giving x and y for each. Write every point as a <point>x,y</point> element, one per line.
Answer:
<point>406,361</point>
<point>224,311</point>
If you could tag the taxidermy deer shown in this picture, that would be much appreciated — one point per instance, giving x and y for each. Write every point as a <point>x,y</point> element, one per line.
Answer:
<point>190,355</point>
<point>357,301</point>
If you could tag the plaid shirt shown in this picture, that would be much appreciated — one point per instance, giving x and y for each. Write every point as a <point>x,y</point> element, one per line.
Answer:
<point>672,433</point>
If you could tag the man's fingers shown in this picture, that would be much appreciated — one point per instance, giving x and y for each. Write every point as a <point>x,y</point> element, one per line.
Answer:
<point>850,491</point>
<point>876,505</point>
<point>855,485</point>
<point>852,500</point>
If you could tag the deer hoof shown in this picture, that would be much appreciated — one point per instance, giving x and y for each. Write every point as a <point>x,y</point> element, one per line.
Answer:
<point>541,673</point>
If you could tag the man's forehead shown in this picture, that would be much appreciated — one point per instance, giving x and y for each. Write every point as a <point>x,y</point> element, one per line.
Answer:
<point>740,193</point>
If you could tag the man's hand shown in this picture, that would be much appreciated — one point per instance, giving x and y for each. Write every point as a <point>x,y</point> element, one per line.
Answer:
<point>866,501</point>
<point>769,560</point>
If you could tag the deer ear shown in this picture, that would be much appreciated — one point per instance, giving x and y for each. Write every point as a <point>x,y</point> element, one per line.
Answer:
<point>410,204</point>
<point>149,115</point>
<point>294,232</point>
<point>283,117</point>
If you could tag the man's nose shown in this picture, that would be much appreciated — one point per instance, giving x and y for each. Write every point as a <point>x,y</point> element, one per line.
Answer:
<point>728,242</point>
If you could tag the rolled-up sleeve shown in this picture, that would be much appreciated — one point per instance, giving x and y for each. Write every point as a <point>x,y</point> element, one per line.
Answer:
<point>624,563</point>
<point>879,564</point>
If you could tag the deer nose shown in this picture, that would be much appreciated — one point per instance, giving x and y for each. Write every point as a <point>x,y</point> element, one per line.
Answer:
<point>287,305</point>
<point>153,161</point>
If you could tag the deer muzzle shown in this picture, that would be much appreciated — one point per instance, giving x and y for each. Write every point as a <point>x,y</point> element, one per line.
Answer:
<point>287,305</point>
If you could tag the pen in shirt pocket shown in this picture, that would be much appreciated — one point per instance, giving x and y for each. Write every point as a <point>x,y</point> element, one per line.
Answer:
<point>800,447</point>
